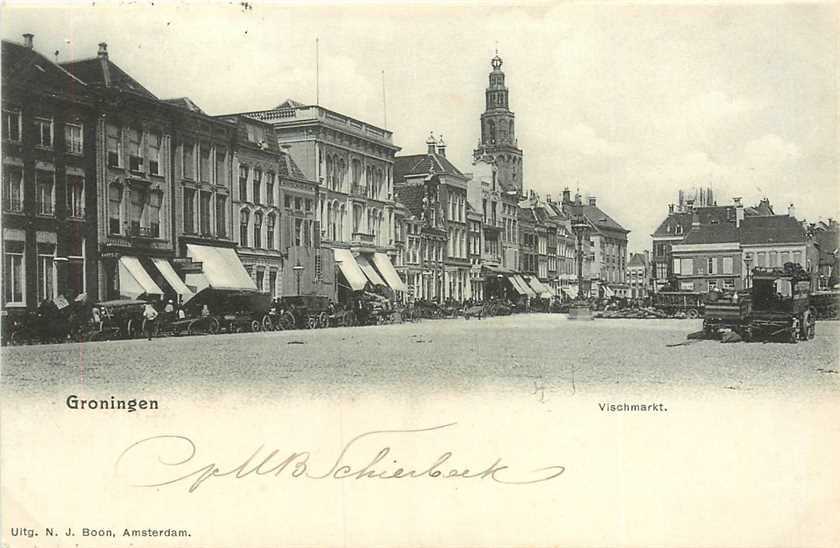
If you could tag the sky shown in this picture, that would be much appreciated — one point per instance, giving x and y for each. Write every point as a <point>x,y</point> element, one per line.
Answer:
<point>626,102</point>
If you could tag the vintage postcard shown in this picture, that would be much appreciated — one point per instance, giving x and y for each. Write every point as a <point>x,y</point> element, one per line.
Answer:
<point>420,274</point>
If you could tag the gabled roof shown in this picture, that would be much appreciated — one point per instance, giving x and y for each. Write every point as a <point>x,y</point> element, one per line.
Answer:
<point>679,223</point>
<point>93,73</point>
<point>601,220</point>
<point>422,164</point>
<point>290,103</point>
<point>637,259</point>
<point>712,234</point>
<point>185,103</point>
<point>412,196</point>
<point>772,229</point>
<point>27,68</point>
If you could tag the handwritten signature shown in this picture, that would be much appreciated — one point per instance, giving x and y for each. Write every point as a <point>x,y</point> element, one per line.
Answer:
<point>178,454</point>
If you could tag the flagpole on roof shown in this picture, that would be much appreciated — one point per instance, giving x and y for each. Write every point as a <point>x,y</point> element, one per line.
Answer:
<point>384,104</point>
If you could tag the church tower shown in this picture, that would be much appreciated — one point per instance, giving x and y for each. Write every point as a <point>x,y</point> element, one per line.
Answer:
<point>498,135</point>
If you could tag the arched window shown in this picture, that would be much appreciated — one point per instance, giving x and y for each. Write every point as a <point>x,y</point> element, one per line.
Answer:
<point>270,231</point>
<point>243,228</point>
<point>491,130</point>
<point>258,218</point>
<point>342,171</point>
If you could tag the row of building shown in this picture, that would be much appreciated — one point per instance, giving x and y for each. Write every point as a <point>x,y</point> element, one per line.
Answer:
<point>701,246</point>
<point>113,192</point>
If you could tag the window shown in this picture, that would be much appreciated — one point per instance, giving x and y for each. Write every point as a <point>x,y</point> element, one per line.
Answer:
<point>13,271</point>
<point>729,283</point>
<point>687,267</point>
<point>272,282</point>
<point>774,258</point>
<point>155,201</point>
<point>204,213</point>
<point>114,146</point>
<point>298,231</point>
<point>115,195</point>
<point>308,204</point>
<point>712,285</point>
<point>44,196</point>
<point>256,134</point>
<point>712,265</point>
<point>12,188</point>
<point>785,257</point>
<point>221,218</point>
<point>260,278</point>
<point>44,132</point>
<point>762,258</point>
<point>46,272</point>
<point>154,153</point>
<point>73,138</point>
<point>269,188</point>
<point>135,156</point>
<point>727,265</point>
<point>270,232</point>
<point>76,283</point>
<point>75,196</point>
<point>204,164</point>
<point>258,229</point>
<point>221,167</point>
<point>139,200</point>
<point>297,203</point>
<point>243,228</point>
<point>11,125</point>
<point>257,195</point>
<point>677,266</point>
<point>287,202</point>
<point>189,211</point>
<point>189,161</point>
<point>797,257</point>
<point>243,183</point>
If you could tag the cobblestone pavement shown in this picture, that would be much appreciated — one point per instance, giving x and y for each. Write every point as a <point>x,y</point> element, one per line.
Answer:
<point>517,352</point>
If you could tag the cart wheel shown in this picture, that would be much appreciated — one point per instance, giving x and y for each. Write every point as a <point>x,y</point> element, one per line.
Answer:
<point>256,326</point>
<point>692,314</point>
<point>213,327</point>
<point>287,321</point>
<point>130,329</point>
<point>323,320</point>
<point>312,322</point>
<point>267,325</point>
<point>794,330</point>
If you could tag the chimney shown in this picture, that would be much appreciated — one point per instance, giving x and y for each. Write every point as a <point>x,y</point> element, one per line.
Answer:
<point>567,196</point>
<point>103,60</point>
<point>430,143</point>
<point>739,211</point>
<point>28,40</point>
<point>670,209</point>
<point>592,201</point>
<point>792,211</point>
<point>689,204</point>
<point>441,146</point>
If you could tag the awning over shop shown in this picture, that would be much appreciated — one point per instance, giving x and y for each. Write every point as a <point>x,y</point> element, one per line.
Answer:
<point>528,291</point>
<point>134,280</point>
<point>490,271</point>
<point>383,264</point>
<point>220,269</point>
<point>369,271</point>
<point>517,286</point>
<point>571,291</point>
<point>173,279</point>
<point>350,268</point>
<point>608,292</point>
<point>539,288</point>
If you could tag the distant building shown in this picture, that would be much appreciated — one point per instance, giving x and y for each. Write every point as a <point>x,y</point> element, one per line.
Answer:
<point>709,257</point>
<point>609,247</point>
<point>639,277</point>
<point>773,241</point>
<point>826,238</point>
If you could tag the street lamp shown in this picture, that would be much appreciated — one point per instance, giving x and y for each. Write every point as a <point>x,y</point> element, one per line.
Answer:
<point>747,263</point>
<point>298,270</point>
<point>501,287</point>
<point>581,229</point>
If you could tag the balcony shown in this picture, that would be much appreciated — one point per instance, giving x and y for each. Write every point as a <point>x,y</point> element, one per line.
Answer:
<point>363,238</point>
<point>146,232</point>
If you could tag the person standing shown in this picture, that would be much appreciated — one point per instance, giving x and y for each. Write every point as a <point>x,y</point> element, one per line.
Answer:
<point>149,318</point>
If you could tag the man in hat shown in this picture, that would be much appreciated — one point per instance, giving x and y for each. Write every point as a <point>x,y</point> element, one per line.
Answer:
<point>149,318</point>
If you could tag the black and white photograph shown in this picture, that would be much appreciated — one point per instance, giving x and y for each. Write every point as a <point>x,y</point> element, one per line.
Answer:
<point>420,274</point>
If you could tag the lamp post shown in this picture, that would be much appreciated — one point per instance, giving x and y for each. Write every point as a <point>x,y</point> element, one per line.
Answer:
<point>499,277</point>
<point>298,270</point>
<point>581,229</point>
<point>747,263</point>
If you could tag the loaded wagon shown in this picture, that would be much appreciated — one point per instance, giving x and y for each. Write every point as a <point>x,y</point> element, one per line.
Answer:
<point>689,304</point>
<point>778,306</point>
